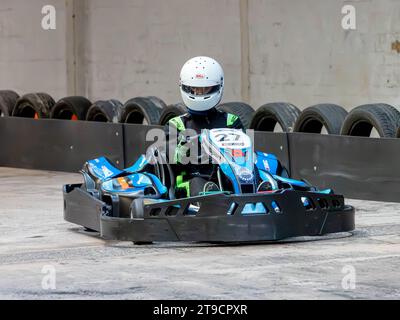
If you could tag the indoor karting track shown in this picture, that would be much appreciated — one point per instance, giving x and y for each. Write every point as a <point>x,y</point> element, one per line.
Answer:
<point>33,235</point>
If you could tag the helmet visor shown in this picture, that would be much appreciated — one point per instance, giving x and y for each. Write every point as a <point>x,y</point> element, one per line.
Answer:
<point>200,91</point>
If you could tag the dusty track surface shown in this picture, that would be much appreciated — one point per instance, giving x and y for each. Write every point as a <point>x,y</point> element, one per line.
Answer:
<point>34,238</point>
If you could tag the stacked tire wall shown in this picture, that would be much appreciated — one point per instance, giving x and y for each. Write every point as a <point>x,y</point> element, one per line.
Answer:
<point>34,134</point>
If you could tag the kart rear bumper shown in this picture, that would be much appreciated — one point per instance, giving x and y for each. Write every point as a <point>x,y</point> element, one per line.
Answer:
<point>120,218</point>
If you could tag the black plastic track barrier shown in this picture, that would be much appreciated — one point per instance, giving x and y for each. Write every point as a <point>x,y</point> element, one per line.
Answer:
<point>57,144</point>
<point>357,167</point>
<point>275,143</point>
<point>135,143</point>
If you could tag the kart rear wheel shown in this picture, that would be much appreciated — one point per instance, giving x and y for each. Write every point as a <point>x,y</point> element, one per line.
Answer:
<point>244,111</point>
<point>105,111</point>
<point>8,99</point>
<point>321,118</point>
<point>71,108</point>
<point>34,105</point>
<point>372,120</point>
<point>141,111</point>
<point>276,116</point>
<point>172,111</point>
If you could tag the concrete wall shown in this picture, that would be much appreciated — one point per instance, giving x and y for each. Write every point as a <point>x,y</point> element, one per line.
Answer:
<point>300,53</point>
<point>32,59</point>
<point>138,47</point>
<point>271,50</point>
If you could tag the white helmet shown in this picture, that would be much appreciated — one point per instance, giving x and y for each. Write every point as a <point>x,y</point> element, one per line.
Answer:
<point>201,83</point>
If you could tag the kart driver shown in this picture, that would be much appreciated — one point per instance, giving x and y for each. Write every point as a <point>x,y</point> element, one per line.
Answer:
<point>201,86</point>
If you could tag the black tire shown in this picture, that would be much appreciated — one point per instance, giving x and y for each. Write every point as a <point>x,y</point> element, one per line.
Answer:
<point>34,105</point>
<point>240,109</point>
<point>314,118</point>
<point>140,110</point>
<point>196,185</point>
<point>8,99</point>
<point>398,131</point>
<point>171,111</point>
<point>268,115</point>
<point>157,101</point>
<point>105,111</point>
<point>361,120</point>
<point>71,108</point>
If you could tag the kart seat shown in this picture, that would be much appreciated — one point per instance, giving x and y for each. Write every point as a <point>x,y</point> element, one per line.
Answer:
<point>102,169</point>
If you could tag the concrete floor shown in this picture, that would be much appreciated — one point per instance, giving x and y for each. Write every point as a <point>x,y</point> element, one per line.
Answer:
<point>35,243</point>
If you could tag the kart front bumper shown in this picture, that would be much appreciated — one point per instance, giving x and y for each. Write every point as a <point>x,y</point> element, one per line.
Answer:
<point>218,217</point>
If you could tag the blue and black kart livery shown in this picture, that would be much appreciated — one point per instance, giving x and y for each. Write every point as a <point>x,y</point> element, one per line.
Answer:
<point>253,198</point>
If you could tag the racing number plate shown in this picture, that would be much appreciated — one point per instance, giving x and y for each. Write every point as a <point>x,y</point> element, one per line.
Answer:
<point>230,139</point>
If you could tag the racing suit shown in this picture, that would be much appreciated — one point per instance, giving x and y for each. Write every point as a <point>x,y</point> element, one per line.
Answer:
<point>186,181</point>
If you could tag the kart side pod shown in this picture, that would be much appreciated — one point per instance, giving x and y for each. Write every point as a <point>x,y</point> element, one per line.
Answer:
<point>210,218</point>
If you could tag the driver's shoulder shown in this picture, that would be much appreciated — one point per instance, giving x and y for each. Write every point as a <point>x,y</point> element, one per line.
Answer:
<point>179,121</point>
<point>232,119</point>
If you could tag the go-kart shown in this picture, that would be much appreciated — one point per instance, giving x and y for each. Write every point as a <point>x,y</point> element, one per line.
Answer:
<point>252,197</point>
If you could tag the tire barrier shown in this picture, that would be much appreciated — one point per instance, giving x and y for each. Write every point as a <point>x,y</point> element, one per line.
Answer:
<point>244,111</point>
<point>321,118</point>
<point>157,101</point>
<point>268,116</point>
<point>105,111</point>
<point>370,120</point>
<point>34,105</point>
<point>71,108</point>
<point>362,120</point>
<point>171,111</point>
<point>141,110</point>
<point>8,99</point>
